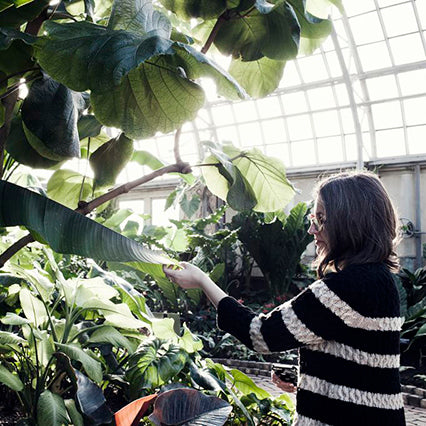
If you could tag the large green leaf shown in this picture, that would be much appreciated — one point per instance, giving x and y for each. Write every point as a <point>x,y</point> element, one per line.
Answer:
<point>65,187</point>
<point>111,335</point>
<point>33,307</point>
<point>259,78</point>
<point>153,364</point>
<point>264,176</point>
<point>187,9</point>
<point>88,126</point>
<point>7,338</point>
<point>189,407</point>
<point>268,30</point>
<point>93,368</point>
<point>141,83</point>
<point>51,410</point>
<point>50,113</point>
<point>9,379</point>
<point>91,400</point>
<point>15,16</point>
<point>138,16</point>
<point>18,147</point>
<point>148,159</point>
<point>109,160</point>
<point>69,232</point>
<point>313,30</point>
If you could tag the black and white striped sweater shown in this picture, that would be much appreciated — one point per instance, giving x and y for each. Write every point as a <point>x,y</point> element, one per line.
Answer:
<point>347,327</point>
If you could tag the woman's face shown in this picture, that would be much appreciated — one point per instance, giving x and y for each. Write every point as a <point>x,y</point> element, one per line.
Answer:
<point>316,229</point>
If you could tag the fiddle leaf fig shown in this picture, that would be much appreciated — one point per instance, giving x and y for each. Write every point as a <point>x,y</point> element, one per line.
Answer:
<point>109,160</point>
<point>259,181</point>
<point>140,17</point>
<point>140,82</point>
<point>50,113</point>
<point>270,30</point>
<point>187,9</point>
<point>19,148</point>
<point>259,78</point>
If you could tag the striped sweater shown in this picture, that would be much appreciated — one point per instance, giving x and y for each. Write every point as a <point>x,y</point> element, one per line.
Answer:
<point>347,328</point>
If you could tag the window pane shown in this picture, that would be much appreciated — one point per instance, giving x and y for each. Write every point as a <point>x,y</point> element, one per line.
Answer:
<point>382,87</point>
<point>413,82</point>
<point>299,127</point>
<point>245,111</point>
<point>303,153</point>
<point>366,28</point>
<point>321,98</point>
<point>279,151</point>
<point>161,217</point>
<point>415,111</point>
<point>357,7</point>
<point>250,134</point>
<point>399,20</point>
<point>222,114</point>
<point>295,102</point>
<point>374,56</point>
<point>417,139</point>
<point>312,68</point>
<point>387,115</point>
<point>274,131</point>
<point>228,134</point>
<point>407,49</point>
<point>326,123</point>
<point>330,150</point>
<point>390,143</point>
<point>291,76</point>
<point>269,107</point>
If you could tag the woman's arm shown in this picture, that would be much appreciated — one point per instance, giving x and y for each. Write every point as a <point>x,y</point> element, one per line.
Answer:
<point>192,277</point>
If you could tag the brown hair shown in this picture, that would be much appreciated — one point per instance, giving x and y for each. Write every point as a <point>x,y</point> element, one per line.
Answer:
<point>361,223</point>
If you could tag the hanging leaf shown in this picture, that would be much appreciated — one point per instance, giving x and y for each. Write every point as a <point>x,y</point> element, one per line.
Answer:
<point>9,379</point>
<point>69,232</point>
<point>267,30</point>
<point>313,30</point>
<point>145,158</point>
<point>18,147</point>
<point>189,407</point>
<point>51,410</point>
<point>259,78</point>
<point>91,401</point>
<point>140,82</point>
<point>189,205</point>
<point>64,186</point>
<point>132,413</point>
<point>187,9</point>
<point>264,175</point>
<point>50,113</point>
<point>16,16</point>
<point>88,127</point>
<point>109,160</point>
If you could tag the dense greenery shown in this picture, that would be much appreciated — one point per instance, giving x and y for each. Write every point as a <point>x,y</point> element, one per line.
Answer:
<point>77,338</point>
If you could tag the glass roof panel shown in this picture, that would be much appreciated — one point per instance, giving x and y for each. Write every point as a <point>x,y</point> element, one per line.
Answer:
<point>361,22</point>
<point>399,20</point>
<point>406,49</point>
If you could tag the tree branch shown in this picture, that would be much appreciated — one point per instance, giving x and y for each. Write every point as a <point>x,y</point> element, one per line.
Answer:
<point>176,146</point>
<point>85,208</point>
<point>220,21</point>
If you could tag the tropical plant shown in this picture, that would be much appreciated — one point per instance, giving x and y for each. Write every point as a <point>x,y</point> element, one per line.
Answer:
<point>126,65</point>
<point>276,242</point>
<point>412,291</point>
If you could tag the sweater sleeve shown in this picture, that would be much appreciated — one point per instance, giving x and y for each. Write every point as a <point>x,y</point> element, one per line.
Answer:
<point>350,307</point>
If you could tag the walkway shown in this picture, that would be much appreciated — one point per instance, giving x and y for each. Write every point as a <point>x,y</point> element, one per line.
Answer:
<point>415,416</point>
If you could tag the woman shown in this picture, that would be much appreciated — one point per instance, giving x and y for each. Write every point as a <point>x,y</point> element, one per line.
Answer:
<point>347,323</point>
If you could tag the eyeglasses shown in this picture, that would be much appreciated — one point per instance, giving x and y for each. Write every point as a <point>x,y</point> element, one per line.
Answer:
<point>318,223</point>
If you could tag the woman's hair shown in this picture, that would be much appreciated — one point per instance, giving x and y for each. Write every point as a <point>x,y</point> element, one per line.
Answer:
<point>361,222</point>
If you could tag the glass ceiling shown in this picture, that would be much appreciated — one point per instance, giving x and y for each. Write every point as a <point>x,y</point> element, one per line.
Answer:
<point>360,97</point>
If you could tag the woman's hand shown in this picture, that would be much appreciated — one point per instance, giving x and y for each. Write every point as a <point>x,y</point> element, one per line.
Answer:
<point>188,276</point>
<point>285,386</point>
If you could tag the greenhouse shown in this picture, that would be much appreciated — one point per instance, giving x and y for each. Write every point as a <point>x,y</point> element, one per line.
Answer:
<point>213,212</point>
